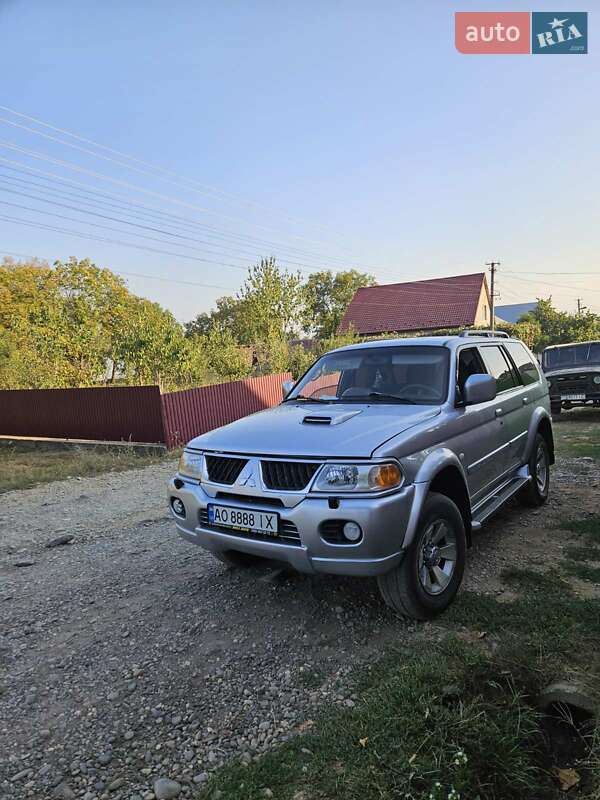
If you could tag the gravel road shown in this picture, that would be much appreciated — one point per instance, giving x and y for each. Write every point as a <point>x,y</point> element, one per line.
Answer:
<point>129,656</point>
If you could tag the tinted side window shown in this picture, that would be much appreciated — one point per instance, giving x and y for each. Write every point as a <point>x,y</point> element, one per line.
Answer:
<point>499,367</point>
<point>527,369</point>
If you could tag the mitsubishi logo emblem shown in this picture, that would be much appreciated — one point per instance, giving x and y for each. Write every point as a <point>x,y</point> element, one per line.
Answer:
<point>247,477</point>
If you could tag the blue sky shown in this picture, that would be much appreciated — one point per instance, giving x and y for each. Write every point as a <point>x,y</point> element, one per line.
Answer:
<point>341,134</point>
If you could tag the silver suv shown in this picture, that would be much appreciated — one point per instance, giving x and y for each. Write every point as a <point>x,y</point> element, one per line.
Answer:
<point>381,461</point>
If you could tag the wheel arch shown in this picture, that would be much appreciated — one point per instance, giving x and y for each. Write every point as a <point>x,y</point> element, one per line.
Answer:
<point>540,423</point>
<point>441,472</point>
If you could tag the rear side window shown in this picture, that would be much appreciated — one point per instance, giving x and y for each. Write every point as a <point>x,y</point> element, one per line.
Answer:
<point>498,366</point>
<point>525,366</point>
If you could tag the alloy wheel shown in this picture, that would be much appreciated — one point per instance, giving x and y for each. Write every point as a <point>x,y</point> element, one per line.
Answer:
<point>437,556</point>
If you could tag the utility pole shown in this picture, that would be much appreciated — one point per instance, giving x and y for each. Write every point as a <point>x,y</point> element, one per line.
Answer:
<point>493,265</point>
<point>580,307</point>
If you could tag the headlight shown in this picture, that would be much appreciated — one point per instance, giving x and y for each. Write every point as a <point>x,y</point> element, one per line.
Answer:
<point>596,378</point>
<point>190,465</point>
<point>358,477</point>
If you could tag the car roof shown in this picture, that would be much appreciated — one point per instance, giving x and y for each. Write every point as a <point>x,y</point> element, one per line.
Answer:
<point>431,341</point>
<point>571,344</point>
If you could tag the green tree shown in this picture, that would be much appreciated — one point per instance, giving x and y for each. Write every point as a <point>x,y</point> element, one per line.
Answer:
<point>560,327</point>
<point>63,326</point>
<point>224,315</point>
<point>326,298</point>
<point>225,358</point>
<point>269,305</point>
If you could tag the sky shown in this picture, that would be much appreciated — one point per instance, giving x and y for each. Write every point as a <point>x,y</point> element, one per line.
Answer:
<point>329,134</point>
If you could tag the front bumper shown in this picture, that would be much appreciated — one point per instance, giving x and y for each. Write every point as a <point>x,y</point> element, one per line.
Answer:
<point>384,521</point>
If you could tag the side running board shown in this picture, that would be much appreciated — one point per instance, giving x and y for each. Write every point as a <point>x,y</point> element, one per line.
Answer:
<point>491,504</point>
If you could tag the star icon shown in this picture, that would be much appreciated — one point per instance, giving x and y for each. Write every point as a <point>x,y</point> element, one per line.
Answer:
<point>557,23</point>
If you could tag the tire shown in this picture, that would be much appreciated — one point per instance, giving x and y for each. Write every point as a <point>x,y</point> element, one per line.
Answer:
<point>405,588</point>
<point>536,492</point>
<point>556,410</point>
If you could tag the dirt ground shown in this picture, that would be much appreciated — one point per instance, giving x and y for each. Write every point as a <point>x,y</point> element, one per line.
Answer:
<point>129,655</point>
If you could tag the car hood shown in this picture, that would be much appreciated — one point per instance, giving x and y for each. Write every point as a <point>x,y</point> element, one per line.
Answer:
<point>337,430</point>
<point>583,369</point>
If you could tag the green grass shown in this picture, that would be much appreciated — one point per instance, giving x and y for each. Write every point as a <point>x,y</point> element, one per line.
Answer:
<point>23,469</point>
<point>410,737</point>
<point>583,571</point>
<point>589,528</point>
<point>406,739</point>
<point>577,434</point>
<point>578,553</point>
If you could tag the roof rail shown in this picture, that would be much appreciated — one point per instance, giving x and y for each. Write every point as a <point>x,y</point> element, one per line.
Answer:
<point>488,333</point>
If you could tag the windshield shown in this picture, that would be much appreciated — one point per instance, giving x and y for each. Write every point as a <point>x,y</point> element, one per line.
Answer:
<point>575,355</point>
<point>403,374</point>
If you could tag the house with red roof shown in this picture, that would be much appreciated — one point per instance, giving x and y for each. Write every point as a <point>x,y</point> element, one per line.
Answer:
<point>462,301</point>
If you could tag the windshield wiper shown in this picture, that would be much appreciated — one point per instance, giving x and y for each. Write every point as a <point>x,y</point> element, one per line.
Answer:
<point>386,396</point>
<point>303,397</point>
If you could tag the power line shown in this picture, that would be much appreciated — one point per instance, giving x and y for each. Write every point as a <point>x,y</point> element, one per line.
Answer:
<point>146,210</point>
<point>212,191</point>
<point>553,285</point>
<point>203,209</point>
<point>244,255</point>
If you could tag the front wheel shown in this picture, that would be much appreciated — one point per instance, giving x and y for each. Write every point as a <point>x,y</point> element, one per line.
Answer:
<point>555,409</point>
<point>536,491</point>
<point>427,579</point>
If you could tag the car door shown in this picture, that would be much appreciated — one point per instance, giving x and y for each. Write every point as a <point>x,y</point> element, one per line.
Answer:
<point>479,429</point>
<point>529,391</point>
<point>508,405</point>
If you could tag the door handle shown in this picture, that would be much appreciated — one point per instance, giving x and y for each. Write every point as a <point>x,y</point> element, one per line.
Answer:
<point>525,401</point>
<point>498,412</point>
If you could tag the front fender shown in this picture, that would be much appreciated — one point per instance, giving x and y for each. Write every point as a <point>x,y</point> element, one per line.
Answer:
<point>433,463</point>
<point>539,417</point>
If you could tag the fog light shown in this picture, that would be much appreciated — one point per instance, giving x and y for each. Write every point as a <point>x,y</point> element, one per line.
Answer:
<point>596,379</point>
<point>352,531</point>
<point>178,507</point>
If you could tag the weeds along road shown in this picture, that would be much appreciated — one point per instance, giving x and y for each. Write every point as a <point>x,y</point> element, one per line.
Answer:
<point>130,655</point>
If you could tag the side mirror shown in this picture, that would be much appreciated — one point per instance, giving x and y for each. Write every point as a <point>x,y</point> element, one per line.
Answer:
<point>286,388</point>
<point>479,389</point>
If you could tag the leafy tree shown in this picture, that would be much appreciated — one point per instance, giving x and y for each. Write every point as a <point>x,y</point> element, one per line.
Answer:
<point>152,348</point>
<point>226,360</point>
<point>224,315</point>
<point>560,327</point>
<point>326,298</point>
<point>269,305</point>
<point>62,327</point>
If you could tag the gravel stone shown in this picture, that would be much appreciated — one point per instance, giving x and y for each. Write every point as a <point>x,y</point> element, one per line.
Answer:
<point>166,789</point>
<point>216,662</point>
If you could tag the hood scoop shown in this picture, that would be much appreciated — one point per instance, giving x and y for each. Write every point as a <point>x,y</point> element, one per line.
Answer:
<point>330,419</point>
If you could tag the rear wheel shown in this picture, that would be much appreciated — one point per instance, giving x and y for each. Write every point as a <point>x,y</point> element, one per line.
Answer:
<point>427,579</point>
<point>536,491</point>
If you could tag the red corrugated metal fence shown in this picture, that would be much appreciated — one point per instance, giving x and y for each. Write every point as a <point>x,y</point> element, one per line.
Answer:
<point>133,413</point>
<point>130,413</point>
<point>195,411</point>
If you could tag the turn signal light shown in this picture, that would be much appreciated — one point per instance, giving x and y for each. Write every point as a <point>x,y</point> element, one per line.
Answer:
<point>386,476</point>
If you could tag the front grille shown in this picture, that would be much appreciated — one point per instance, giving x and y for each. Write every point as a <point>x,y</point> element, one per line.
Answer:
<point>222,469</point>
<point>288,532</point>
<point>290,475</point>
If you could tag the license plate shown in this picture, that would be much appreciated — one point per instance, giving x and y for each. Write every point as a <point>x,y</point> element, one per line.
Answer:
<point>241,519</point>
<point>572,397</point>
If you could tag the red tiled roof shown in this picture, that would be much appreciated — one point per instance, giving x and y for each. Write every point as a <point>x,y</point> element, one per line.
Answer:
<point>415,306</point>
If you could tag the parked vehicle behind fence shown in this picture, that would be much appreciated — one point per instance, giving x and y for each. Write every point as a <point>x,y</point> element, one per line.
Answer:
<point>382,460</point>
<point>573,375</point>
